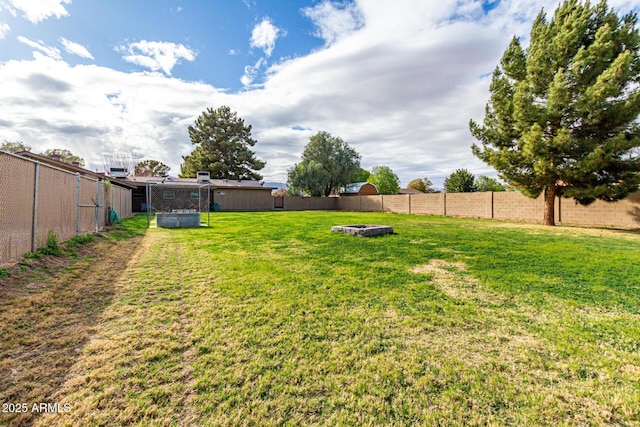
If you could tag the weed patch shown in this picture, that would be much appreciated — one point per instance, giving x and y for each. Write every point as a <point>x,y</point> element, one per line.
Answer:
<point>52,247</point>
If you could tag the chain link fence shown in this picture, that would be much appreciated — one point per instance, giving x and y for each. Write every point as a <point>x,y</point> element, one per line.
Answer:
<point>167,198</point>
<point>36,199</point>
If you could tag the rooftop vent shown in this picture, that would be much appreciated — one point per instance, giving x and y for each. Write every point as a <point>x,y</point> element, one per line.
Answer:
<point>203,176</point>
<point>118,172</point>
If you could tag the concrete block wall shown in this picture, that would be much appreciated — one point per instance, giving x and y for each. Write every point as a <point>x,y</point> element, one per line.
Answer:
<point>231,199</point>
<point>518,207</point>
<point>396,203</point>
<point>350,204</point>
<point>427,204</point>
<point>296,203</point>
<point>621,214</point>
<point>469,205</point>
<point>508,206</point>
<point>370,203</point>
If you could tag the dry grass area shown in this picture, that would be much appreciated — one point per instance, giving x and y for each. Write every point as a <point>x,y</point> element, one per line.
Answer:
<point>51,308</point>
<point>268,319</point>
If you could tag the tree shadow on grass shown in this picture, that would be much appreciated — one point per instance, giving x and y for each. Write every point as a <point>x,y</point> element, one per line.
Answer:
<point>49,309</point>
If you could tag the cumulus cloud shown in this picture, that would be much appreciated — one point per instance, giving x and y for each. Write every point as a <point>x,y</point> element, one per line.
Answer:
<point>91,109</point>
<point>251,71</point>
<point>39,45</point>
<point>401,90</point>
<point>334,20</point>
<point>156,55</point>
<point>4,29</point>
<point>264,36</point>
<point>75,49</point>
<point>39,10</point>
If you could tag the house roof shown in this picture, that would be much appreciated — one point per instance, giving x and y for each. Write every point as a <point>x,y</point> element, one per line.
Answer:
<point>245,184</point>
<point>73,168</point>
<point>409,191</point>
<point>355,187</point>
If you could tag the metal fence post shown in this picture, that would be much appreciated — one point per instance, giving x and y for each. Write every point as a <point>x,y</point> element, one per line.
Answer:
<point>95,210</point>
<point>148,206</point>
<point>34,229</point>
<point>77,203</point>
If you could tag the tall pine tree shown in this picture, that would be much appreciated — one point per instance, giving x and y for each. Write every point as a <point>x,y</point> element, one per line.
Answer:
<point>223,147</point>
<point>562,118</point>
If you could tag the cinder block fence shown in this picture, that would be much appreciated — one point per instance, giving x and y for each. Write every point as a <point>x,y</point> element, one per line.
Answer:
<point>510,206</point>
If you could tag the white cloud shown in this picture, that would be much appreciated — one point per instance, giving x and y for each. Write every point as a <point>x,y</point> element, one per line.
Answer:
<point>75,49</point>
<point>50,51</point>
<point>264,36</point>
<point>91,109</point>
<point>39,10</point>
<point>251,71</point>
<point>156,55</point>
<point>401,90</point>
<point>4,30</point>
<point>334,20</point>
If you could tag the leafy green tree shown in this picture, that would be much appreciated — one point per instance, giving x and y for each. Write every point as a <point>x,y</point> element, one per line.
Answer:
<point>65,155</point>
<point>328,164</point>
<point>460,181</point>
<point>423,185</point>
<point>223,147</point>
<point>361,175</point>
<point>562,116</point>
<point>484,183</point>
<point>14,146</point>
<point>385,179</point>
<point>152,168</point>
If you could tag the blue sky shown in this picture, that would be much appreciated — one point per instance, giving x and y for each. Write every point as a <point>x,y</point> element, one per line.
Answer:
<point>397,79</point>
<point>218,35</point>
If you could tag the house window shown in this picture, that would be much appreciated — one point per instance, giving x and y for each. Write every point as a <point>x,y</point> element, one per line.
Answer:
<point>195,195</point>
<point>220,193</point>
<point>168,195</point>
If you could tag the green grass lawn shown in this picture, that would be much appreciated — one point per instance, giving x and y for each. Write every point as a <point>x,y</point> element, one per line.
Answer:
<point>270,319</point>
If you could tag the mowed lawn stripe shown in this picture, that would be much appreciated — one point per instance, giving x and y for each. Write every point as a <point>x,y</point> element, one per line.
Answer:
<point>135,370</point>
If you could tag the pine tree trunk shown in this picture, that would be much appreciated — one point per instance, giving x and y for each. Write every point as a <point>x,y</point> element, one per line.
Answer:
<point>549,204</point>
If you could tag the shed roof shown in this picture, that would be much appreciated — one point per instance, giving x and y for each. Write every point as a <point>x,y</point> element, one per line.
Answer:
<point>354,188</point>
<point>409,191</point>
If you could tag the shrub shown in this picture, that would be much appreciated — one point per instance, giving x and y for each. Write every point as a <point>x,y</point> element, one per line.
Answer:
<point>52,247</point>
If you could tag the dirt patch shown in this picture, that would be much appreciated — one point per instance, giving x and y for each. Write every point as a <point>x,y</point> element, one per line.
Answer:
<point>450,278</point>
<point>441,269</point>
<point>561,230</point>
<point>33,274</point>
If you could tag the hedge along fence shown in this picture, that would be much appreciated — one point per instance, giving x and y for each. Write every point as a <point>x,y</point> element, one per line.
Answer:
<point>510,206</point>
<point>36,198</point>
